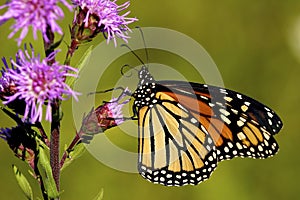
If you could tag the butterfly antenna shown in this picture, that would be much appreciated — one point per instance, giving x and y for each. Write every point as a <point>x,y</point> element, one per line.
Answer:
<point>124,66</point>
<point>125,45</point>
<point>144,42</point>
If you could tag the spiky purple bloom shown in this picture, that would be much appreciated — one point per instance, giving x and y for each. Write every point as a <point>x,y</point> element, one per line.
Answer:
<point>107,15</point>
<point>112,111</point>
<point>8,88</point>
<point>38,83</point>
<point>38,14</point>
<point>104,117</point>
<point>7,85</point>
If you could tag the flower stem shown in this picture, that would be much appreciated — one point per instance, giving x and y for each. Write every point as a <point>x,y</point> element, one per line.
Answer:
<point>55,124</point>
<point>43,133</point>
<point>75,141</point>
<point>72,48</point>
<point>55,143</point>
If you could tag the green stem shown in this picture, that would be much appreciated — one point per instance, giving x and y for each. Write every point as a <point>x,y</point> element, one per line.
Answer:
<point>43,133</point>
<point>55,124</point>
<point>55,143</point>
<point>75,141</point>
<point>72,48</point>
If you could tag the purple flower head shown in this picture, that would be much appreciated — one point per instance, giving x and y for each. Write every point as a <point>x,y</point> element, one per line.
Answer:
<point>106,14</point>
<point>38,83</point>
<point>39,14</point>
<point>8,88</point>
<point>104,117</point>
<point>7,85</point>
<point>112,110</point>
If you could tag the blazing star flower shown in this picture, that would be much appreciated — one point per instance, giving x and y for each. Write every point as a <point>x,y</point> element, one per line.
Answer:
<point>110,113</point>
<point>39,14</point>
<point>38,83</point>
<point>104,117</point>
<point>7,85</point>
<point>8,88</point>
<point>105,15</point>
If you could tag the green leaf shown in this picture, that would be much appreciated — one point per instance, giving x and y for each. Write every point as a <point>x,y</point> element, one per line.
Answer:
<point>82,62</point>
<point>23,183</point>
<point>78,150</point>
<point>12,115</point>
<point>46,173</point>
<point>99,195</point>
<point>54,46</point>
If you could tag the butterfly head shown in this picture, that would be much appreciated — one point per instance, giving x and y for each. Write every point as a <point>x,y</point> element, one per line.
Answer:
<point>144,94</point>
<point>145,76</point>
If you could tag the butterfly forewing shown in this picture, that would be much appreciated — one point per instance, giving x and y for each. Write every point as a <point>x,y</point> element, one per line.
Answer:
<point>239,125</point>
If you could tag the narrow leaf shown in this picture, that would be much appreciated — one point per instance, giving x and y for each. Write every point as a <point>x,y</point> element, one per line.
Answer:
<point>46,173</point>
<point>78,150</point>
<point>54,45</point>
<point>11,115</point>
<point>99,195</point>
<point>23,183</point>
<point>82,62</point>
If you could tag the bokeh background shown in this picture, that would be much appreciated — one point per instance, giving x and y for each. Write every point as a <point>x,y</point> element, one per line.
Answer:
<point>256,46</point>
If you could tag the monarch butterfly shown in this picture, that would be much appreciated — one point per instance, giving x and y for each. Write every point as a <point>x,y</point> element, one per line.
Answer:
<point>186,128</point>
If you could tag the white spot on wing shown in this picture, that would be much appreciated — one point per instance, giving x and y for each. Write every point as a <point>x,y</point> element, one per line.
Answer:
<point>234,111</point>
<point>241,136</point>
<point>242,119</point>
<point>270,122</point>
<point>229,99</point>
<point>204,97</point>
<point>267,136</point>
<point>225,112</point>
<point>226,149</point>
<point>193,120</point>
<point>239,146</point>
<point>225,119</point>
<point>244,108</point>
<point>230,144</point>
<point>240,123</point>
<point>181,107</point>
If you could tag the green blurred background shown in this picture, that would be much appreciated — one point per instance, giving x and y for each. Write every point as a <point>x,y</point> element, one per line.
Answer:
<point>256,46</point>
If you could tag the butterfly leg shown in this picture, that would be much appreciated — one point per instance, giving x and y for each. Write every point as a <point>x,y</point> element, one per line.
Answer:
<point>124,91</point>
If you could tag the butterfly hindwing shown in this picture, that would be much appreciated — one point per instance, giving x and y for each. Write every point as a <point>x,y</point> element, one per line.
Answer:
<point>174,149</point>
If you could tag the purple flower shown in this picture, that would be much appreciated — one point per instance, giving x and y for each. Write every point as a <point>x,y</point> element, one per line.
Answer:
<point>112,110</point>
<point>104,117</point>
<point>8,88</point>
<point>7,85</point>
<point>38,83</point>
<point>107,15</point>
<point>39,14</point>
